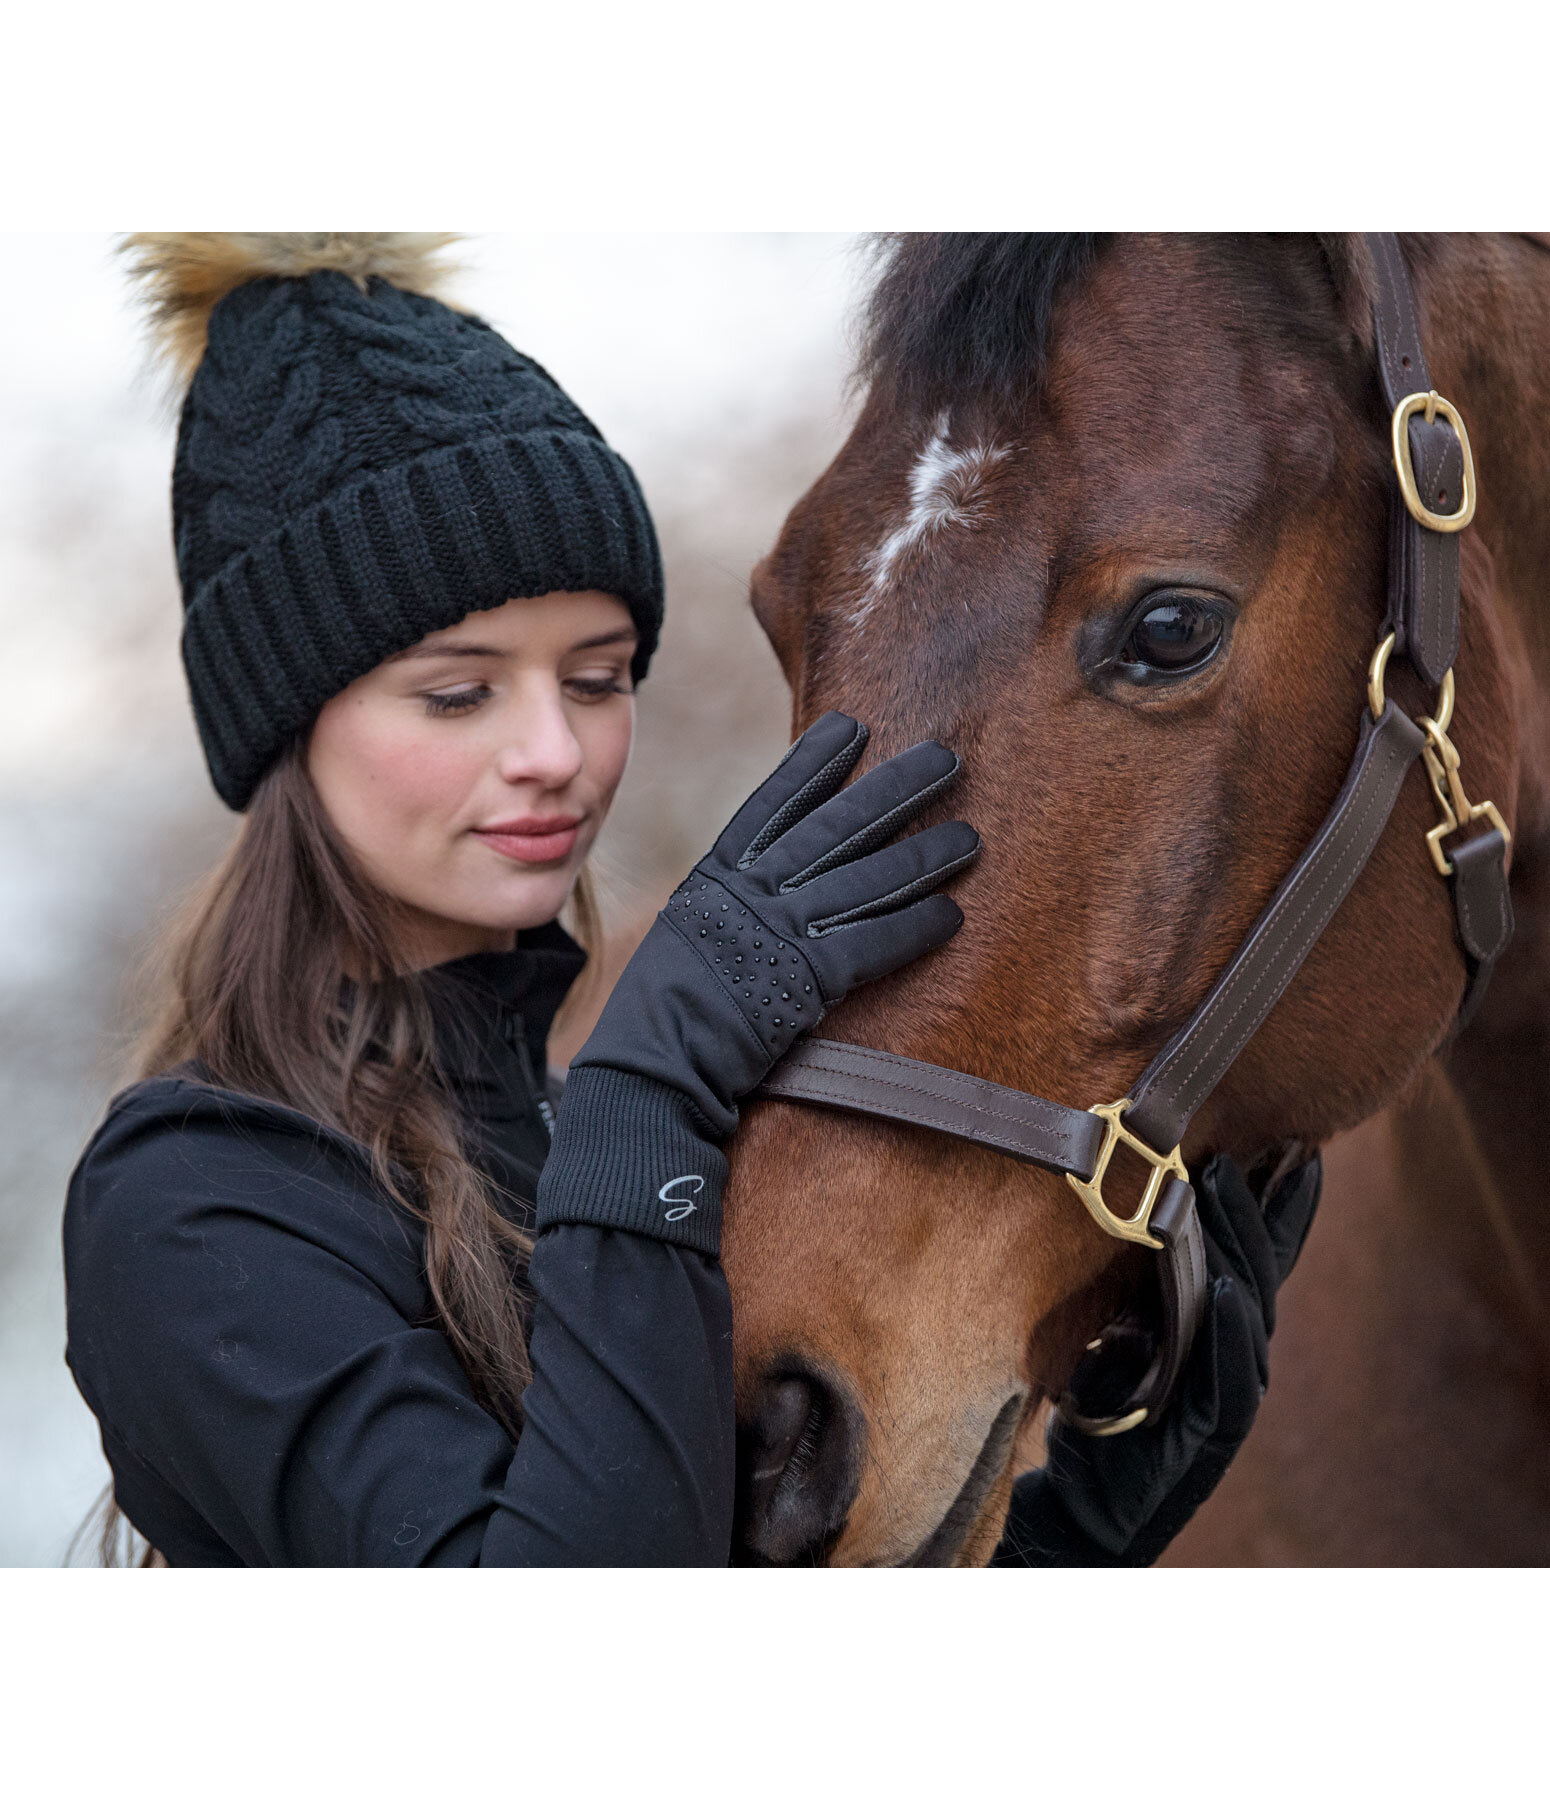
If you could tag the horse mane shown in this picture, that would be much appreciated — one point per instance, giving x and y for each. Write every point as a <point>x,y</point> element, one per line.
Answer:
<point>970,312</point>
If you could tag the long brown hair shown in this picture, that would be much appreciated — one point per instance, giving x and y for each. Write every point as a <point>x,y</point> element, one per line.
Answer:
<point>253,988</point>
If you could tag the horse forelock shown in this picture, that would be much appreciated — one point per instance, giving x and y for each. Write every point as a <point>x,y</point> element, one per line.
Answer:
<point>967,312</point>
<point>962,314</point>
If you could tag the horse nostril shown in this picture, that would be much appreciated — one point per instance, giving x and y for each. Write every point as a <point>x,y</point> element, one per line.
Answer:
<point>798,1466</point>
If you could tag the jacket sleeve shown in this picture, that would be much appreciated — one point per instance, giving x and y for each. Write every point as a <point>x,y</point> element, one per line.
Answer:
<point>247,1318</point>
<point>626,1454</point>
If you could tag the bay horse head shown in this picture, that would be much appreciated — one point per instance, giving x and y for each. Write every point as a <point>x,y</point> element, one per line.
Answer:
<point>1112,524</point>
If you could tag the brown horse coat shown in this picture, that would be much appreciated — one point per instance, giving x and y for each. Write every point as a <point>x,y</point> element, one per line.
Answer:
<point>1164,415</point>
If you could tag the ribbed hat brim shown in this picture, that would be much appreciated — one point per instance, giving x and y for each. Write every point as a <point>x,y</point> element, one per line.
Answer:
<point>285,625</point>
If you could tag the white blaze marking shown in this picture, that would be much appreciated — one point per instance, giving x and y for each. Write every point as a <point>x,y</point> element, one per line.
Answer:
<point>945,489</point>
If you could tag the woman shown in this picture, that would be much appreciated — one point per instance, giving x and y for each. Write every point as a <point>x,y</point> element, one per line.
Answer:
<point>334,1294</point>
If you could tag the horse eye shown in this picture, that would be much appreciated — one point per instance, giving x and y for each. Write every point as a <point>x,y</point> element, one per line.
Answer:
<point>1174,635</point>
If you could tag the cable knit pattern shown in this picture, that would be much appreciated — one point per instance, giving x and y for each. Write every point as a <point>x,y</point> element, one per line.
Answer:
<point>355,469</point>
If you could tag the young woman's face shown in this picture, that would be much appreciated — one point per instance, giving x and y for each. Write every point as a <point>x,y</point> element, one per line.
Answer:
<point>469,774</point>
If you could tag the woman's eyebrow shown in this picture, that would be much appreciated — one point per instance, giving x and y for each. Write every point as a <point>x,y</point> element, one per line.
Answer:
<point>625,635</point>
<point>422,650</point>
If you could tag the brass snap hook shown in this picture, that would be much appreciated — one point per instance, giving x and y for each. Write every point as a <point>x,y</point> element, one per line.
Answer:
<point>1442,770</point>
<point>1442,761</point>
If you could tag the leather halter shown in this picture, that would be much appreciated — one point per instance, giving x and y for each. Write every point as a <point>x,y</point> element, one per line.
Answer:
<point>1432,462</point>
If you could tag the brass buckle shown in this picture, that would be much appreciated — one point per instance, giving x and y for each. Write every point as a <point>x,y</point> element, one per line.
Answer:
<point>1134,1229</point>
<point>1442,770</point>
<point>1434,403</point>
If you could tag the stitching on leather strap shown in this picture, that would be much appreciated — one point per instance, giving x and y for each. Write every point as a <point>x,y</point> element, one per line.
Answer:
<point>1388,308</point>
<point>818,1090</point>
<point>1331,854</point>
<point>811,1053</point>
<point>1397,312</point>
<point>1469,915</point>
<point>1410,321</point>
<point>1170,1085</point>
<point>1466,914</point>
<point>1432,601</point>
<point>920,1097</point>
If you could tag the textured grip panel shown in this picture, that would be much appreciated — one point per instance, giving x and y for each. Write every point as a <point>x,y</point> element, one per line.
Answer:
<point>771,983</point>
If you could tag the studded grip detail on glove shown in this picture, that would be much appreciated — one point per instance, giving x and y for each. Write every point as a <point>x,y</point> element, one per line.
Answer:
<point>801,898</point>
<point>773,986</point>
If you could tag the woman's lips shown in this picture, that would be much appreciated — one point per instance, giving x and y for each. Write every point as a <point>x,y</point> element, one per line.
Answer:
<point>532,840</point>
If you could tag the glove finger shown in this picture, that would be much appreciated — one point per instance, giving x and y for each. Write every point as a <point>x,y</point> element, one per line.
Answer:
<point>1289,1211</point>
<point>1202,1432</point>
<point>851,954</point>
<point>1116,1487</point>
<point>1237,1367</point>
<point>817,765</point>
<point>1109,1486</point>
<point>1230,1216</point>
<point>863,816</point>
<point>890,878</point>
<point>1041,1534</point>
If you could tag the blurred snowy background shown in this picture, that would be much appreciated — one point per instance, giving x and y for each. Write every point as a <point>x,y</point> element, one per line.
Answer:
<point>715,363</point>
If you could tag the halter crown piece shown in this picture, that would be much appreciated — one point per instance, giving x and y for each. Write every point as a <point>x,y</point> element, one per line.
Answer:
<point>1431,460</point>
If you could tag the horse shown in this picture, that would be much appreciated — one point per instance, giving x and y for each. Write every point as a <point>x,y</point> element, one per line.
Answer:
<point>1112,522</point>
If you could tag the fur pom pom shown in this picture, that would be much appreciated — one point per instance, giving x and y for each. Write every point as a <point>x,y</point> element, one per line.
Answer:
<point>181,275</point>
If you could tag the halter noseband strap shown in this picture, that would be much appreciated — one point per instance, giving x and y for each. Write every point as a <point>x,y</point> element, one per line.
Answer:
<point>1432,498</point>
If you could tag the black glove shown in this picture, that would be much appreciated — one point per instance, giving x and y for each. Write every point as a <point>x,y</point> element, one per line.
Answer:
<point>796,904</point>
<point>1120,1501</point>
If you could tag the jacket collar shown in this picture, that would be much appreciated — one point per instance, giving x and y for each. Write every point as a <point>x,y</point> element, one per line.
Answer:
<point>503,995</point>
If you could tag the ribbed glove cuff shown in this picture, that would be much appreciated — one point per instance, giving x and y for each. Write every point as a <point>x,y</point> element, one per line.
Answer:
<point>627,1154</point>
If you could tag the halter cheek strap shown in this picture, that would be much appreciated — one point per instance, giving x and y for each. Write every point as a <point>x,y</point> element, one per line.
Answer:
<point>1432,498</point>
<point>1192,1064</point>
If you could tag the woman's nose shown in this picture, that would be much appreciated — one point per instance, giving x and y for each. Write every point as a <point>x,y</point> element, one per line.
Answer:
<point>540,744</point>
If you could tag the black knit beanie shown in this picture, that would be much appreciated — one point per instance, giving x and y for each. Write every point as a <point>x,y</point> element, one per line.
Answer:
<point>357,465</point>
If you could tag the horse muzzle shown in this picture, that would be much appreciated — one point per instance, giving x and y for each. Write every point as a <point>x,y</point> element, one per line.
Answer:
<point>941,1550</point>
<point>799,1460</point>
<point>802,1454</point>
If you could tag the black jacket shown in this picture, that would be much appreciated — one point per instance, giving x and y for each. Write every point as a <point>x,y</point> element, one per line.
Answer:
<point>249,1319</point>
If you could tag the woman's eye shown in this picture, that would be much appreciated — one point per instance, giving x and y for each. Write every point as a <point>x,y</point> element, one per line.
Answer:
<point>596,687</point>
<point>1174,635</point>
<point>455,700</point>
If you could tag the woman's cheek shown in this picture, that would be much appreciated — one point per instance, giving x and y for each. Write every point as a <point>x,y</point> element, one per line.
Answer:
<point>427,775</point>
<point>387,772</point>
<point>606,735</point>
